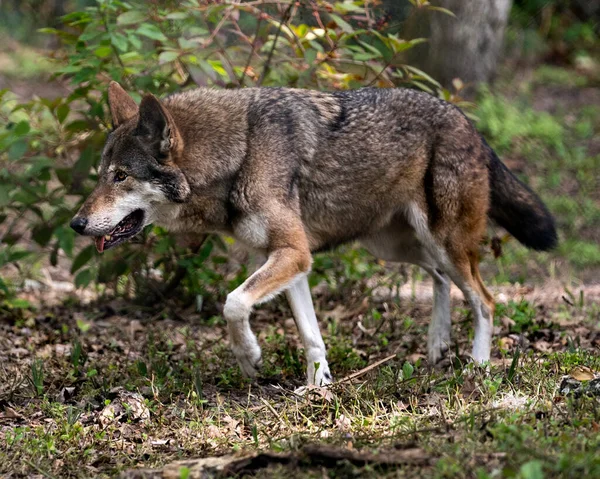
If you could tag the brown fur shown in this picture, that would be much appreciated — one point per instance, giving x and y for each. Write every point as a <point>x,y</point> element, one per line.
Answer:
<point>290,172</point>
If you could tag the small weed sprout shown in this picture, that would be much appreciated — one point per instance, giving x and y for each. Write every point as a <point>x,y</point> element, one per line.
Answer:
<point>37,376</point>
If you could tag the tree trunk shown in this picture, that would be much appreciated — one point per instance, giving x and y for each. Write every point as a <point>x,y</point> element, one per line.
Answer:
<point>468,46</point>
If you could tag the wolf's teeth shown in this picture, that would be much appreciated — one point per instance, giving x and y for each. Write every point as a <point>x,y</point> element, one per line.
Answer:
<point>107,237</point>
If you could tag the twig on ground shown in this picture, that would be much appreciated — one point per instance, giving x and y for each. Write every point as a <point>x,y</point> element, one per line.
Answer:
<point>365,370</point>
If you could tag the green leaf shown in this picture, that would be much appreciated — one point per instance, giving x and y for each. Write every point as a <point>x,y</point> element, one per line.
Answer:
<point>132,16</point>
<point>22,128</point>
<point>177,16</point>
<point>310,56</point>
<point>103,52</point>
<point>119,41</point>
<point>52,31</point>
<point>83,165</point>
<point>42,233</point>
<point>166,57</point>
<point>186,44</point>
<point>3,286</point>
<point>77,126</point>
<point>513,366</point>
<point>363,57</point>
<point>345,7</point>
<point>135,42</point>
<point>370,47</point>
<point>82,258</point>
<point>442,9</point>
<point>64,175</point>
<point>423,86</point>
<point>5,190</point>
<point>15,256</point>
<point>18,303</point>
<point>61,112</point>
<point>407,370</point>
<point>422,74</point>
<point>151,31</point>
<point>532,470</point>
<point>66,239</point>
<point>83,278</point>
<point>17,150</point>
<point>343,24</point>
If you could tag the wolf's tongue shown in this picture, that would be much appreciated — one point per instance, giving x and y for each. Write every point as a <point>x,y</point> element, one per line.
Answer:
<point>100,243</point>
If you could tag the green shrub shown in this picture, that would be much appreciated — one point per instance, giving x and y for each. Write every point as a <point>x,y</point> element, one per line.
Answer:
<point>49,149</point>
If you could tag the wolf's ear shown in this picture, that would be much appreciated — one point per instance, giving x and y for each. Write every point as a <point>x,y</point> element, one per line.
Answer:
<point>122,107</point>
<point>157,128</point>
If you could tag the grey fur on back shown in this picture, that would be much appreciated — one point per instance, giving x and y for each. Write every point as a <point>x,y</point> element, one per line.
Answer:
<point>340,155</point>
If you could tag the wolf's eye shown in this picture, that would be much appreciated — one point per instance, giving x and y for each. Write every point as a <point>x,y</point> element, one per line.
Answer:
<point>120,176</point>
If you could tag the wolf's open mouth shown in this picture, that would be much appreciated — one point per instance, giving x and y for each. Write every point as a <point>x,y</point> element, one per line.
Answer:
<point>128,227</point>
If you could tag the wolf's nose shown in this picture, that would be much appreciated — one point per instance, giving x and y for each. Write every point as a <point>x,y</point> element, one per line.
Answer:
<point>78,224</point>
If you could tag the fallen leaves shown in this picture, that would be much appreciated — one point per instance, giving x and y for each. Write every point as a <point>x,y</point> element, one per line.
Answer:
<point>582,373</point>
<point>126,406</point>
<point>580,380</point>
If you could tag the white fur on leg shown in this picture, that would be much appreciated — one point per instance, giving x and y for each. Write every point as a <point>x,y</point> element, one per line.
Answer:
<point>242,340</point>
<point>483,327</point>
<point>438,338</point>
<point>298,295</point>
<point>482,343</point>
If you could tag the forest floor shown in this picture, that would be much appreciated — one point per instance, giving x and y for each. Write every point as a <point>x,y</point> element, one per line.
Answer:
<point>96,387</point>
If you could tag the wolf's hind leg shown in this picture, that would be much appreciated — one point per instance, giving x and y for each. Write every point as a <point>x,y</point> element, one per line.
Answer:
<point>465,275</point>
<point>483,333</point>
<point>399,243</point>
<point>438,336</point>
<point>298,295</point>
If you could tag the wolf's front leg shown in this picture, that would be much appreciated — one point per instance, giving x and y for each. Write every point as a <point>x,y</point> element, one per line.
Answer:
<point>301,303</point>
<point>283,266</point>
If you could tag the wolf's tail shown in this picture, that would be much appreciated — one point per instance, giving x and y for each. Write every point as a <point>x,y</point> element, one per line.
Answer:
<point>518,209</point>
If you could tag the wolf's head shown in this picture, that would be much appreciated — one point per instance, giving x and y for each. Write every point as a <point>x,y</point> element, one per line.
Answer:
<point>139,181</point>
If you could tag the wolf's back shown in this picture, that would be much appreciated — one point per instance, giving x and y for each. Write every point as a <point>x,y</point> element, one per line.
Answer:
<point>518,209</point>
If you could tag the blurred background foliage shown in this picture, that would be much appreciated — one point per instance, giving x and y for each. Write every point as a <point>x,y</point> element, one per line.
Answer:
<point>53,129</point>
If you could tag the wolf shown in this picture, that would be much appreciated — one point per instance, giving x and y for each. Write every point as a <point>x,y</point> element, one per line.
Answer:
<point>291,172</point>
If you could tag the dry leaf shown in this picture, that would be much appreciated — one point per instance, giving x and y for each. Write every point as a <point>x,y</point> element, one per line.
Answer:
<point>127,404</point>
<point>506,343</point>
<point>312,391</point>
<point>582,373</point>
<point>10,413</point>
<point>343,423</point>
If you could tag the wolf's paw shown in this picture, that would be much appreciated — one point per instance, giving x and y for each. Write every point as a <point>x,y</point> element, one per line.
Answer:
<point>481,355</point>
<point>249,358</point>
<point>473,368</point>
<point>437,350</point>
<point>482,362</point>
<point>318,373</point>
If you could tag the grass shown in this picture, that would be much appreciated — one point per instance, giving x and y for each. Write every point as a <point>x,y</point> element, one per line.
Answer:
<point>467,421</point>
<point>97,390</point>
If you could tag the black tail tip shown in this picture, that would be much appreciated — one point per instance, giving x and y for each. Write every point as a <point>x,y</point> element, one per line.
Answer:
<point>540,237</point>
<point>545,242</point>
